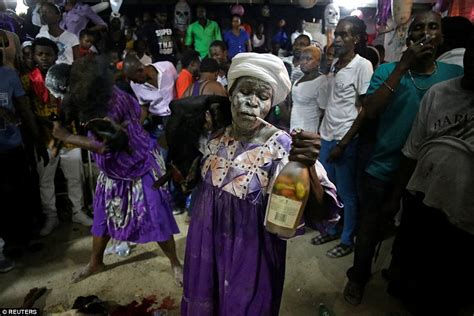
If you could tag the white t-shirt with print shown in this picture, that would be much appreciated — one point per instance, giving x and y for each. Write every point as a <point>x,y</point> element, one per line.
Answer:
<point>66,41</point>
<point>345,87</point>
<point>442,142</point>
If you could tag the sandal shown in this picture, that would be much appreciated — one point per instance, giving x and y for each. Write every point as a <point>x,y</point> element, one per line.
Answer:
<point>339,251</point>
<point>320,239</point>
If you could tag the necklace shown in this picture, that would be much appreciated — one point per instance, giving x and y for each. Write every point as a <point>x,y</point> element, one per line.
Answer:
<point>413,79</point>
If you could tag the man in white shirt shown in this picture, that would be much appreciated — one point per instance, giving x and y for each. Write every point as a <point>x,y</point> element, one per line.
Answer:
<point>300,31</point>
<point>153,86</point>
<point>68,43</point>
<point>349,79</point>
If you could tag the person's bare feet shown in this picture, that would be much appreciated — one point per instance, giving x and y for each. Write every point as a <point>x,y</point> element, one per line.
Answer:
<point>178,275</point>
<point>86,272</point>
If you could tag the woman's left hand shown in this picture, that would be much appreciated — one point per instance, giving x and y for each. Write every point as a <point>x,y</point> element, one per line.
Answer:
<point>60,132</point>
<point>305,147</point>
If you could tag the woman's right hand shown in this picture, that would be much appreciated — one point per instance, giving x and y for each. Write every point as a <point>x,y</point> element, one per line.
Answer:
<point>305,147</point>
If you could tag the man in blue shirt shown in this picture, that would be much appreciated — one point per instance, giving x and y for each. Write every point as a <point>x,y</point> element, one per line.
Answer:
<point>14,217</point>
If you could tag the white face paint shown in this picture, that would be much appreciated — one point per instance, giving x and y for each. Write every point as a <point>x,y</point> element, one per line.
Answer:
<point>331,15</point>
<point>250,98</point>
<point>182,15</point>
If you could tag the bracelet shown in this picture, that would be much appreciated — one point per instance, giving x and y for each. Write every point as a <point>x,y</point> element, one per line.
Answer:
<point>388,87</point>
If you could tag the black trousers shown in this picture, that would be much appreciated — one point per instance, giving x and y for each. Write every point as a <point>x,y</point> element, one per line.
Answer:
<point>16,211</point>
<point>370,232</point>
<point>436,261</point>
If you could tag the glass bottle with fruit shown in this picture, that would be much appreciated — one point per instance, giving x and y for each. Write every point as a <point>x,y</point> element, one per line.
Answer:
<point>288,199</point>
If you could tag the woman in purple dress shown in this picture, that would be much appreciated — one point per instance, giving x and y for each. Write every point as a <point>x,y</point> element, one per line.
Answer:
<point>233,266</point>
<point>126,206</point>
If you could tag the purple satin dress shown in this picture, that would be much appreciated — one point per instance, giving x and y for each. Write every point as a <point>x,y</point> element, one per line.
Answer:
<point>126,207</point>
<point>233,266</point>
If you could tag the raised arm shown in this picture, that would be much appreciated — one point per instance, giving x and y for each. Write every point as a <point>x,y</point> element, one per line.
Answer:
<point>99,24</point>
<point>378,101</point>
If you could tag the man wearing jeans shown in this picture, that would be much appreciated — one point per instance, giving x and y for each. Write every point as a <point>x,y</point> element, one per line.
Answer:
<point>349,79</point>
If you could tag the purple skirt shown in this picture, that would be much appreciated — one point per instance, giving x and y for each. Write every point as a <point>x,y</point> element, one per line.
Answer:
<point>131,210</point>
<point>233,266</point>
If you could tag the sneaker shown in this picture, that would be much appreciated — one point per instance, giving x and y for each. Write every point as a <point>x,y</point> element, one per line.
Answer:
<point>6,265</point>
<point>82,218</point>
<point>50,224</point>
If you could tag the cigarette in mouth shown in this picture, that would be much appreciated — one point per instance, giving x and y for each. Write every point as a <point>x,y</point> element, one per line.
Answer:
<point>263,121</point>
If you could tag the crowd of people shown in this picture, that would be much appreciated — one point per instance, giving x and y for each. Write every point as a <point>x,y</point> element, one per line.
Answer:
<point>381,137</point>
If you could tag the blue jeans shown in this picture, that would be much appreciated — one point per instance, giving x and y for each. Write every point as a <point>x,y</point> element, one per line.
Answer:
<point>343,174</point>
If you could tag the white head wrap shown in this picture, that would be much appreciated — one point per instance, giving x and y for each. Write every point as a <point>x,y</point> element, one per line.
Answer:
<point>266,67</point>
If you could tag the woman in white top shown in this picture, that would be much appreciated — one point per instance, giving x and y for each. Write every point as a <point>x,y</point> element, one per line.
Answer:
<point>258,40</point>
<point>68,43</point>
<point>310,93</point>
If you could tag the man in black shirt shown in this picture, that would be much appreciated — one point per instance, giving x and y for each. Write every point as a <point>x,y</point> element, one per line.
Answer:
<point>161,37</point>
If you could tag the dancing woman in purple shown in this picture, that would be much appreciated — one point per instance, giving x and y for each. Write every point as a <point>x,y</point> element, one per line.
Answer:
<point>233,266</point>
<point>126,206</point>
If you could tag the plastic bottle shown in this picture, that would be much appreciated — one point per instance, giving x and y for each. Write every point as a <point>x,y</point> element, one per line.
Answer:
<point>288,199</point>
<point>122,249</point>
<point>112,248</point>
<point>324,311</point>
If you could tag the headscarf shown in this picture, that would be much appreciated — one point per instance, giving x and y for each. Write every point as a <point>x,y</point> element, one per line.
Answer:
<point>266,67</point>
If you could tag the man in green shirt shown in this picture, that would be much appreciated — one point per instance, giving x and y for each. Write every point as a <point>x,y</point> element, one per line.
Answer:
<point>202,33</point>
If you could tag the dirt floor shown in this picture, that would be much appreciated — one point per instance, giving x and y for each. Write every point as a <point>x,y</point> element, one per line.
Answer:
<point>311,277</point>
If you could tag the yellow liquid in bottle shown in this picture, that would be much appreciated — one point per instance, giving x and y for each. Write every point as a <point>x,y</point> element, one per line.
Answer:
<point>288,200</point>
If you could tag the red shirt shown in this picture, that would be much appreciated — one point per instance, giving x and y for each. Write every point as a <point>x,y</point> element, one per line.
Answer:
<point>185,79</point>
